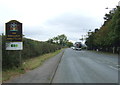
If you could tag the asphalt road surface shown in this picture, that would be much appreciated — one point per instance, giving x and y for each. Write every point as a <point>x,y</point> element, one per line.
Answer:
<point>87,67</point>
<point>41,74</point>
<point>74,67</point>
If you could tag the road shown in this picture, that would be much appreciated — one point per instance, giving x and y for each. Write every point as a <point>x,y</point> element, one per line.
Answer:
<point>87,67</point>
<point>41,74</point>
<point>74,67</point>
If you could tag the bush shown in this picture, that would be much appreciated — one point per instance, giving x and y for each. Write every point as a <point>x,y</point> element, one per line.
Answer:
<point>31,48</point>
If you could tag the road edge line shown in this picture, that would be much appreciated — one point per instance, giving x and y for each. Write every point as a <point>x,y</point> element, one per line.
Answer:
<point>53,74</point>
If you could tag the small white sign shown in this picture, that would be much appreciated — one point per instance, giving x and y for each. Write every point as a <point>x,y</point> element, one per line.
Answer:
<point>14,46</point>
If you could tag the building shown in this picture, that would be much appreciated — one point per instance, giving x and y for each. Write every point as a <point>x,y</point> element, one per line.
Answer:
<point>119,3</point>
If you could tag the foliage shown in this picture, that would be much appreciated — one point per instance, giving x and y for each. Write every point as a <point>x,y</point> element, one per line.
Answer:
<point>27,65</point>
<point>69,44</point>
<point>60,40</point>
<point>108,35</point>
<point>31,48</point>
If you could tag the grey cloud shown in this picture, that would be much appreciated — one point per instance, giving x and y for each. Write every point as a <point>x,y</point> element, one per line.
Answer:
<point>33,30</point>
<point>70,24</point>
<point>39,33</point>
<point>74,23</point>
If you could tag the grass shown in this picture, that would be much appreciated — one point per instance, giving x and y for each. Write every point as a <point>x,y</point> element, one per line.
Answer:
<point>27,65</point>
<point>6,75</point>
<point>103,52</point>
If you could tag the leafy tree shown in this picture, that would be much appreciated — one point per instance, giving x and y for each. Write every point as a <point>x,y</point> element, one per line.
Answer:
<point>50,41</point>
<point>90,40</point>
<point>60,40</point>
<point>69,44</point>
<point>108,36</point>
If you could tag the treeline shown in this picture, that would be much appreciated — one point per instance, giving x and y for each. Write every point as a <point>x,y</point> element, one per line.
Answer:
<point>31,48</point>
<point>60,40</point>
<point>107,38</point>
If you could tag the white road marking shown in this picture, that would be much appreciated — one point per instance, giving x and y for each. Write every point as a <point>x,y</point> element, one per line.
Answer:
<point>114,68</point>
<point>117,65</point>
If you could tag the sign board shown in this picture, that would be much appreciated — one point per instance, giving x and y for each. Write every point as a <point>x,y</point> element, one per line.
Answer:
<point>14,35</point>
<point>14,46</point>
<point>14,31</point>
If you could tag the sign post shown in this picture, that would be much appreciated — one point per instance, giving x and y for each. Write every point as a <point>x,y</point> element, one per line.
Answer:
<point>14,37</point>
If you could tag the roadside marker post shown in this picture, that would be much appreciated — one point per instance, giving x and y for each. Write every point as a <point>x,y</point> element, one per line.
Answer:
<point>14,40</point>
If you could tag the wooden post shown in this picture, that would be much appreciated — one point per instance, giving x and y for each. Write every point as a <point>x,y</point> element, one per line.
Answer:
<point>20,58</point>
<point>113,50</point>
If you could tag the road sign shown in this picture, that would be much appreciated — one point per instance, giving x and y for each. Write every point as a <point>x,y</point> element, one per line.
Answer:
<point>14,46</point>
<point>13,31</point>
<point>14,35</point>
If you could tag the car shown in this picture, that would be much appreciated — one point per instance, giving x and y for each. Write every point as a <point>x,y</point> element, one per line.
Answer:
<point>73,48</point>
<point>77,48</point>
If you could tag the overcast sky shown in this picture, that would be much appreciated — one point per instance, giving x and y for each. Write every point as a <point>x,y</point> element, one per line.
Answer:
<point>44,19</point>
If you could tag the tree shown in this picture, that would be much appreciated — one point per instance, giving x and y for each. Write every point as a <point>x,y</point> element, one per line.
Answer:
<point>69,44</point>
<point>108,36</point>
<point>50,41</point>
<point>90,40</point>
<point>56,40</point>
<point>62,40</point>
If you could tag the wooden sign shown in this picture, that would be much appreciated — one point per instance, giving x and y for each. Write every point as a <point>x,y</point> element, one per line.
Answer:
<point>13,31</point>
<point>14,35</point>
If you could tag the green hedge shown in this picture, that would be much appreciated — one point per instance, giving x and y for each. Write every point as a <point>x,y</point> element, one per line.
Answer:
<point>31,48</point>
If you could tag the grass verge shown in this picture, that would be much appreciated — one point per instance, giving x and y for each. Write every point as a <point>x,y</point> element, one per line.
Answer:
<point>27,65</point>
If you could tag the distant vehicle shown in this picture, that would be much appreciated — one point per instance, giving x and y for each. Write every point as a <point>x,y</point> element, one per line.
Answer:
<point>73,47</point>
<point>78,45</point>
